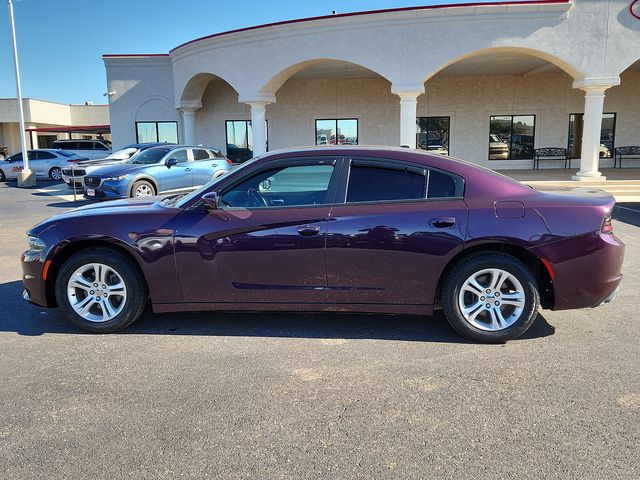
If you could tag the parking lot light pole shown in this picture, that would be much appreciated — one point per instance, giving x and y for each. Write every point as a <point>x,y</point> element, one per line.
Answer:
<point>26,178</point>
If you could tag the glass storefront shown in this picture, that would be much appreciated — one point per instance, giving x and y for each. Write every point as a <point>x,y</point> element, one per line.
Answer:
<point>433,134</point>
<point>511,137</point>
<point>342,131</point>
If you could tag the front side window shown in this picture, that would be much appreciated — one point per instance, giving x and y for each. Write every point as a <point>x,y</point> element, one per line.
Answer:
<point>607,134</point>
<point>180,155</point>
<point>511,137</point>
<point>281,187</point>
<point>152,132</point>
<point>343,131</point>
<point>433,134</point>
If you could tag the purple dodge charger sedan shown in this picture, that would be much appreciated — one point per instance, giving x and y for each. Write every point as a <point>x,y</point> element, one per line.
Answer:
<point>363,229</point>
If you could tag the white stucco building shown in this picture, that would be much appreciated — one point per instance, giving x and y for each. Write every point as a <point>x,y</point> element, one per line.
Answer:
<point>47,121</point>
<point>487,83</point>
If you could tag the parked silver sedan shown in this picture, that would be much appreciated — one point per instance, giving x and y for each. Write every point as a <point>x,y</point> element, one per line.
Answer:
<point>44,162</point>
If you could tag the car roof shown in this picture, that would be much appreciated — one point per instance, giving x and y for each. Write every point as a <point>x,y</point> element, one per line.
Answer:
<point>149,145</point>
<point>173,146</point>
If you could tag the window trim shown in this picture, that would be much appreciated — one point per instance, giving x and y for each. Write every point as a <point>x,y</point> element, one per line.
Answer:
<point>341,196</point>
<point>156,122</point>
<point>330,194</point>
<point>315,131</point>
<point>613,143</point>
<point>511,137</point>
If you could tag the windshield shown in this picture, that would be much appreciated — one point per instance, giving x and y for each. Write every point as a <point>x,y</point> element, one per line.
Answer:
<point>149,156</point>
<point>204,188</point>
<point>495,138</point>
<point>124,153</point>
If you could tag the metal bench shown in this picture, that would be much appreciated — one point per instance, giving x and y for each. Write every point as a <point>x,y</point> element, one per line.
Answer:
<point>632,151</point>
<point>551,153</point>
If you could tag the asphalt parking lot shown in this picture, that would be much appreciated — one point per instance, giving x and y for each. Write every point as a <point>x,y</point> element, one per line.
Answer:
<point>314,396</point>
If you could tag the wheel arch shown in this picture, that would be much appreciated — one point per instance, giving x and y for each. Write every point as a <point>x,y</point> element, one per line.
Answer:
<point>64,251</point>
<point>534,263</point>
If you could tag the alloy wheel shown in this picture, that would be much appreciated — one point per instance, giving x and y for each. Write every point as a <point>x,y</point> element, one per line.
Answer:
<point>55,174</point>
<point>96,292</point>
<point>143,191</point>
<point>491,299</point>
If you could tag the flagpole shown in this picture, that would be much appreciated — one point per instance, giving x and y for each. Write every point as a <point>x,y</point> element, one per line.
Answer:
<point>25,178</point>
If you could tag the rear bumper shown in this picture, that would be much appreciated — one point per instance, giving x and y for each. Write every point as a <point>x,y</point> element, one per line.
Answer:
<point>588,270</point>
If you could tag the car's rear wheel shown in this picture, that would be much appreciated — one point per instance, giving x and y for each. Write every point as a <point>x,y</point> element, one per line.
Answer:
<point>491,297</point>
<point>100,290</point>
<point>55,174</point>
<point>143,188</point>
<point>2,176</point>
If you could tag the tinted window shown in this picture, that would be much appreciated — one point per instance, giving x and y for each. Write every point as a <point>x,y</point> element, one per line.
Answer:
<point>65,153</point>
<point>199,154</point>
<point>99,146</point>
<point>442,185</point>
<point>372,184</point>
<point>282,187</point>
<point>45,155</point>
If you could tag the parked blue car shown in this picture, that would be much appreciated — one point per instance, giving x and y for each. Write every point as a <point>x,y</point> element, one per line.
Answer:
<point>163,169</point>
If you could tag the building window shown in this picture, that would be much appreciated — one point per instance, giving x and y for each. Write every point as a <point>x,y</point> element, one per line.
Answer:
<point>433,134</point>
<point>343,131</point>
<point>240,140</point>
<point>149,132</point>
<point>607,134</point>
<point>511,137</point>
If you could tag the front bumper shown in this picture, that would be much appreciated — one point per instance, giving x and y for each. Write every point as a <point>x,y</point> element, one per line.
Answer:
<point>35,290</point>
<point>107,191</point>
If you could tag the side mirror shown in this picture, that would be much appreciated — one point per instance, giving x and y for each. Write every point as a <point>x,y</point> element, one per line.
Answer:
<point>211,200</point>
<point>171,162</point>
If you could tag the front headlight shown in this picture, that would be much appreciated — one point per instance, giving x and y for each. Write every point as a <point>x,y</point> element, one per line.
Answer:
<point>117,179</point>
<point>35,244</point>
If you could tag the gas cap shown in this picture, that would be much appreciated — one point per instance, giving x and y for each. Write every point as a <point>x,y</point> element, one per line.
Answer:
<point>508,209</point>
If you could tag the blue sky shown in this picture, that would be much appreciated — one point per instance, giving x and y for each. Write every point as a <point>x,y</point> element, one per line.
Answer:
<point>60,42</point>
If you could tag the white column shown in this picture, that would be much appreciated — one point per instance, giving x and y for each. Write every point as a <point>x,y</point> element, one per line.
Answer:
<point>34,136</point>
<point>189,125</point>
<point>592,126</point>
<point>408,108</point>
<point>259,133</point>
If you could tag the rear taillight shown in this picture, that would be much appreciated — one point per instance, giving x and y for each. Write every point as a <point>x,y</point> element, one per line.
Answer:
<point>76,160</point>
<point>229,161</point>
<point>607,226</point>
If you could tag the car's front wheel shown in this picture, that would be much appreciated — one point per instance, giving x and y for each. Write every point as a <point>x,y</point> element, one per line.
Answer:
<point>100,290</point>
<point>143,188</point>
<point>55,174</point>
<point>2,176</point>
<point>490,297</point>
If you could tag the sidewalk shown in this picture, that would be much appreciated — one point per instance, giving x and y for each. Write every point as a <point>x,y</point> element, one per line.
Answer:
<point>622,183</point>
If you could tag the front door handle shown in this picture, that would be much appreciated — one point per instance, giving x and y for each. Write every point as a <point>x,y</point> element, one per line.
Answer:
<point>308,230</point>
<point>443,222</point>
<point>187,169</point>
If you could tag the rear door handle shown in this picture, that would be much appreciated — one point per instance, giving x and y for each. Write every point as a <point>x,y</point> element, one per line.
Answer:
<point>309,230</point>
<point>443,222</point>
<point>188,169</point>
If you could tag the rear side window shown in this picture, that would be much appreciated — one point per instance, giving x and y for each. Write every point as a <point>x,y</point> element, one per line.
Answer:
<point>199,154</point>
<point>374,184</point>
<point>44,155</point>
<point>98,146</point>
<point>443,185</point>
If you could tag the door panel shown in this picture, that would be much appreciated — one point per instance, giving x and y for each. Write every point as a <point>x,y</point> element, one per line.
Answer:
<point>252,255</point>
<point>392,253</point>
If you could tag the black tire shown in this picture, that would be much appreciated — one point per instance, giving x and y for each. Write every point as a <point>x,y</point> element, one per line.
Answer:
<point>476,263</point>
<point>2,176</point>
<point>142,183</point>
<point>136,289</point>
<point>55,174</point>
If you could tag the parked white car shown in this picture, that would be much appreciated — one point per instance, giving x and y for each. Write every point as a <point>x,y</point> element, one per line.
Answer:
<point>85,148</point>
<point>75,174</point>
<point>44,162</point>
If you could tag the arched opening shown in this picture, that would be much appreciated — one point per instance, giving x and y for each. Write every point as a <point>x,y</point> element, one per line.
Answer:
<point>497,106</point>
<point>331,102</point>
<point>218,119</point>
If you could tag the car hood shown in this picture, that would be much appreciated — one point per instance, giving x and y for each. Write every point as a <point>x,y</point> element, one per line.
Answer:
<point>135,206</point>
<point>102,161</point>
<point>117,169</point>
